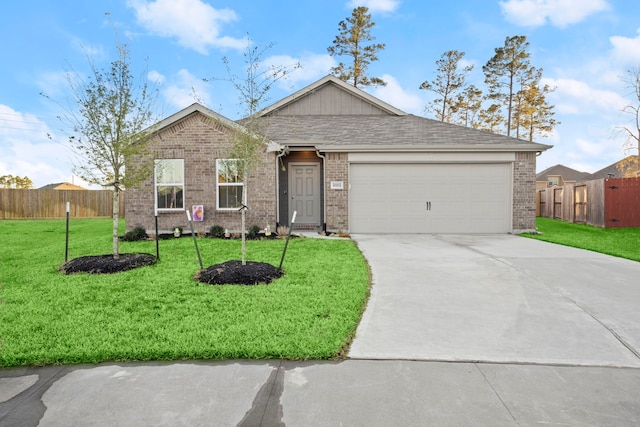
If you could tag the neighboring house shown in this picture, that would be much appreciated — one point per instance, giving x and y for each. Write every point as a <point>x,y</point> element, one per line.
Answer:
<point>62,186</point>
<point>613,170</point>
<point>558,175</point>
<point>342,160</point>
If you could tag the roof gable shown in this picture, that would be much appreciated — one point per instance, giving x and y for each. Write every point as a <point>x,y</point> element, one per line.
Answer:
<point>330,96</point>
<point>195,108</point>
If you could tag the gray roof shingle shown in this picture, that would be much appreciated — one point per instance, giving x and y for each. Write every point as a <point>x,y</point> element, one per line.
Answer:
<point>371,131</point>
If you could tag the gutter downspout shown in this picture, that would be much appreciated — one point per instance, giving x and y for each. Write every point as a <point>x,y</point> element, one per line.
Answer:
<point>283,151</point>
<point>324,192</point>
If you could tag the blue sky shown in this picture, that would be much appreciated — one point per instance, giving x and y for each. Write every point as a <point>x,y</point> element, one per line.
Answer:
<point>583,46</point>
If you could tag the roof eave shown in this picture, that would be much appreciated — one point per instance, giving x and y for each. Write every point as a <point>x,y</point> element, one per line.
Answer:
<point>388,148</point>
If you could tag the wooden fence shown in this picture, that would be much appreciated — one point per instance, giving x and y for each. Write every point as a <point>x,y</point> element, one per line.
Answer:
<point>40,204</point>
<point>608,203</point>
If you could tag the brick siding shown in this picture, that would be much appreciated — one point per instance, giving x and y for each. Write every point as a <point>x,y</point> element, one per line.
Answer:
<point>524,192</point>
<point>200,140</point>
<point>337,169</point>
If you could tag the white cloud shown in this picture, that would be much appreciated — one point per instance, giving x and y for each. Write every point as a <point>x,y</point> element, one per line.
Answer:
<point>626,49</point>
<point>577,97</point>
<point>195,24</point>
<point>183,89</point>
<point>312,67</point>
<point>395,95</point>
<point>590,148</point>
<point>25,150</point>
<point>54,84</point>
<point>376,5</point>
<point>560,13</point>
<point>155,77</point>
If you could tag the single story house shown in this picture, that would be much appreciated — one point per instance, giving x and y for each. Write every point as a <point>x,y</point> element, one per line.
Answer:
<point>61,186</point>
<point>343,160</point>
<point>629,167</point>
<point>558,175</point>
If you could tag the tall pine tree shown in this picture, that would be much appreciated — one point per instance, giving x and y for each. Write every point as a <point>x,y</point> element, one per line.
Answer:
<point>503,71</point>
<point>450,80</point>
<point>351,41</point>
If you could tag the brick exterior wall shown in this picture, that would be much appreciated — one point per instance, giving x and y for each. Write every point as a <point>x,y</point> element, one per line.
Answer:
<point>337,169</point>
<point>524,192</point>
<point>200,140</point>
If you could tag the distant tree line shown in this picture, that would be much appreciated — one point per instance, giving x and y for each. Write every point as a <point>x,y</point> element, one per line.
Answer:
<point>10,181</point>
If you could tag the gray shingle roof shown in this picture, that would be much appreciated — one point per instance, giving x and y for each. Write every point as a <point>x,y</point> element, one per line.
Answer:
<point>372,131</point>
<point>567,173</point>
<point>604,172</point>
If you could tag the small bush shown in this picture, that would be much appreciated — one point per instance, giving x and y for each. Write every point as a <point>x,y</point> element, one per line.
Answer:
<point>216,231</point>
<point>138,233</point>
<point>283,231</point>
<point>254,232</point>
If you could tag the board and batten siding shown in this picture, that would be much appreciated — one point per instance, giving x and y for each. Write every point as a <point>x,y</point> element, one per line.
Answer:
<point>329,100</point>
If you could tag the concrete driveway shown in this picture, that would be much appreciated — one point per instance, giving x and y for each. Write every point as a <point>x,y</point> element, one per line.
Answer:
<point>504,299</point>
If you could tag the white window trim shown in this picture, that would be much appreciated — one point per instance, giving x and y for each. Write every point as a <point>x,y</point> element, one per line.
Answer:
<point>234,184</point>
<point>155,188</point>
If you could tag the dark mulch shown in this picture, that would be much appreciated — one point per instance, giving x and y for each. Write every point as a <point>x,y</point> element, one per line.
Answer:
<point>101,264</point>
<point>234,273</point>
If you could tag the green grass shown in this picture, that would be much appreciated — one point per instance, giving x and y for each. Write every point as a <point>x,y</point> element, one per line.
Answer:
<point>620,242</point>
<point>159,312</point>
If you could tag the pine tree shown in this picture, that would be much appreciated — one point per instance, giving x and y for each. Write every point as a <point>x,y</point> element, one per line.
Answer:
<point>450,80</point>
<point>502,72</point>
<point>354,33</point>
<point>467,107</point>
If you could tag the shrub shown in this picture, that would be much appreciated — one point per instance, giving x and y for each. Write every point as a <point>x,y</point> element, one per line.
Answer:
<point>216,231</point>
<point>138,233</point>
<point>283,231</point>
<point>254,232</point>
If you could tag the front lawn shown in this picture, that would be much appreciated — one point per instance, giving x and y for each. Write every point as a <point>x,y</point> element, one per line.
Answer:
<point>620,242</point>
<point>159,312</point>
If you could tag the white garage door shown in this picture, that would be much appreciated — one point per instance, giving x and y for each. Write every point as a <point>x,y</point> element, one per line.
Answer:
<point>430,198</point>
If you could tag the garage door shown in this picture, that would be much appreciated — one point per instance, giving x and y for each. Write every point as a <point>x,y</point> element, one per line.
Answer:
<point>430,198</point>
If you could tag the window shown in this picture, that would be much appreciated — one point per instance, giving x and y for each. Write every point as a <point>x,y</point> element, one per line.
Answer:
<point>169,182</point>
<point>229,185</point>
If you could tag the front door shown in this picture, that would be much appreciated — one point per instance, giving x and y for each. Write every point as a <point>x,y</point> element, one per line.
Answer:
<point>304,193</point>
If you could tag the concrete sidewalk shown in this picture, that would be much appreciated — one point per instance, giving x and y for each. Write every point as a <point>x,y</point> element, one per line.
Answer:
<point>459,330</point>
<point>348,393</point>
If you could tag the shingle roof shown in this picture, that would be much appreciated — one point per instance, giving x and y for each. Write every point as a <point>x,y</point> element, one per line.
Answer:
<point>567,173</point>
<point>61,186</point>
<point>401,132</point>
<point>604,172</point>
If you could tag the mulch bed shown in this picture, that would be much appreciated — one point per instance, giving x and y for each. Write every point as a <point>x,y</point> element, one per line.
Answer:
<point>106,264</point>
<point>234,273</point>
<point>230,272</point>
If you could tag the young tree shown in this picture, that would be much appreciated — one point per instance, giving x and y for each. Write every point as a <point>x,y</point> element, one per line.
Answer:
<point>107,112</point>
<point>502,71</point>
<point>630,166</point>
<point>249,143</point>
<point>449,81</point>
<point>351,41</point>
<point>10,181</point>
